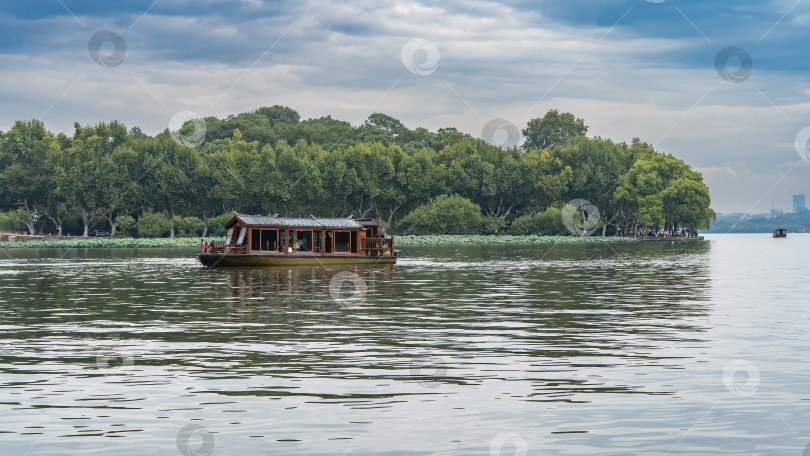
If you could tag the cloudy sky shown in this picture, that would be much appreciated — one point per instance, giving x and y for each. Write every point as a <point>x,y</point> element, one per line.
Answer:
<point>722,85</point>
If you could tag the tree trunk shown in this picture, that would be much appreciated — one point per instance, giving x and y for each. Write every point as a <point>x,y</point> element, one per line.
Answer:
<point>205,225</point>
<point>171,223</point>
<point>85,219</point>
<point>29,219</point>
<point>377,210</point>
<point>111,221</point>
<point>57,222</point>
<point>508,211</point>
<point>391,213</point>
<point>607,222</point>
<point>498,211</point>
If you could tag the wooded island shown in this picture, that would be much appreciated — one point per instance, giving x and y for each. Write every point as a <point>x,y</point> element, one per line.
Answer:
<point>269,161</point>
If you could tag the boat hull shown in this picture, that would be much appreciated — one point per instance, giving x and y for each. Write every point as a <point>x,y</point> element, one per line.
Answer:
<point>247,260</point>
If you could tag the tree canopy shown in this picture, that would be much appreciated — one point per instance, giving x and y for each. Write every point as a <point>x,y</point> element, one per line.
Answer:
<point>269,161</point>
<point>552,130</point>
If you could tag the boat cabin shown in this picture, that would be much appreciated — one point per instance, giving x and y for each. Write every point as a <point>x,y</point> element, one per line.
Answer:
<point>780,233</point>
<point>263,235</point>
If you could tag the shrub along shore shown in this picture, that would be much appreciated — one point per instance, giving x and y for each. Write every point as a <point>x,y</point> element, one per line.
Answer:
<point>400,241</point>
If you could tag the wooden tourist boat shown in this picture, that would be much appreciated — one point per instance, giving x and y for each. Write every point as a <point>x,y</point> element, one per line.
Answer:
<point>780,233</point>
<point>254,240</point>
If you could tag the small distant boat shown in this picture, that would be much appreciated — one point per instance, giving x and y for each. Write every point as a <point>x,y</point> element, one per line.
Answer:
<point>780,233</point>
<point>266,241</point>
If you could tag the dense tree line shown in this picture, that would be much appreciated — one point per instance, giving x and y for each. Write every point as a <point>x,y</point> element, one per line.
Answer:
<point>271,162</point>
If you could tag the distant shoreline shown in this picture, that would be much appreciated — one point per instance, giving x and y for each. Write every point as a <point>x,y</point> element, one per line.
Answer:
<point>399,241</point>
<point>460,239</point>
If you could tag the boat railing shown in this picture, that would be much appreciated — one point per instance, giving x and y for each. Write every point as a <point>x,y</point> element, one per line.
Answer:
<point>379,246</point>
<point>213,246</point>
<point>236,249</point>
<point>220,247</point>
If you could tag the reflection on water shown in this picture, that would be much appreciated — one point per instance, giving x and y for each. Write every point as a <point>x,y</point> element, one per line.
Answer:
<point>565,349</point>
<point>302,285</point>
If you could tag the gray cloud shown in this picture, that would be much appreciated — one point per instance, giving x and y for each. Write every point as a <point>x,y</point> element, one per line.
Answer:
<point>511,60</point>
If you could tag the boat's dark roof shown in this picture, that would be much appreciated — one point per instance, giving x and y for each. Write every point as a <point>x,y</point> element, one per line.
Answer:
<point>262,220</point>
<point>367,222</point>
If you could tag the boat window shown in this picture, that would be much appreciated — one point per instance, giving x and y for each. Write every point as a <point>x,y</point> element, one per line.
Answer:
<point>229,236</point>
<point>242,233</point>
<point>328,242</point>
<point>282,240</point>
<point>303,241</point>
<point>254,239</point>
<point>341,241</point>
<point>269,240</point>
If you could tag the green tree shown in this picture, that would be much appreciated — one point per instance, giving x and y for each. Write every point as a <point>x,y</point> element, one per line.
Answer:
<point>216,225</point>
<point>385,129</point>
<point>27,156</point>
<point>445,214</point>
<point>189,226</point>
<point>686,203</point>
<point>550,176</point>
<point>329,133</point>
<point>599,166</point>
<point>552,130</point>
<point>80,179</point>
<point>153,224</point>
<point>662,192</point>
<point>548,222</point>
<point>280,115</point>
<point>127,224</point>
<point>171,169</point>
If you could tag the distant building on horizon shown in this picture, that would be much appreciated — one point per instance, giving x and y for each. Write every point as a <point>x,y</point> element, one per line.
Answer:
<point>799,204</point>
<point>774,211</point>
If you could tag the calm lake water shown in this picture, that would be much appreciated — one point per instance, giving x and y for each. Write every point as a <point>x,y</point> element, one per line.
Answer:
<point>694,348</point>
